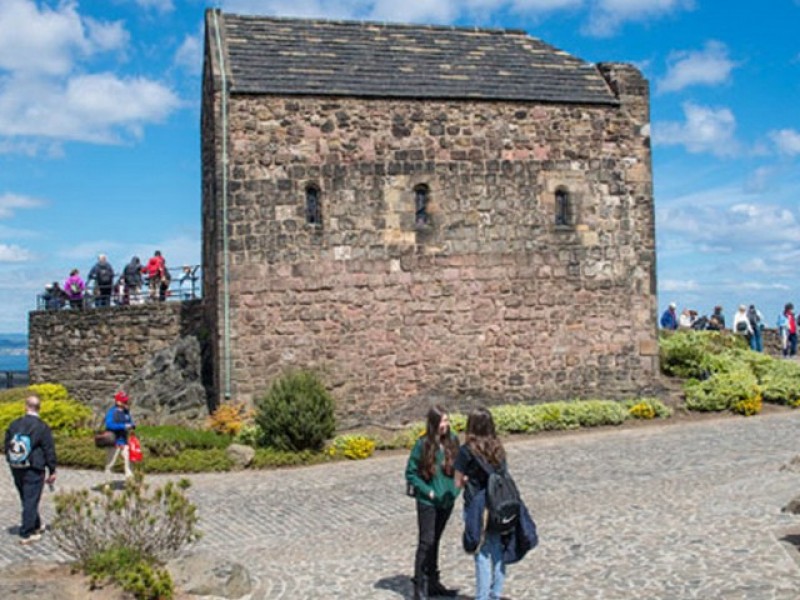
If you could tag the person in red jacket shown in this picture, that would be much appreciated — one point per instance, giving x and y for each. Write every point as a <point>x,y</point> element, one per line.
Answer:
<point>155,273</point>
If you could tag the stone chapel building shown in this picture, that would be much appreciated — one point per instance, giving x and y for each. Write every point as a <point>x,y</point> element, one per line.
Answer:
<point>424,213</point>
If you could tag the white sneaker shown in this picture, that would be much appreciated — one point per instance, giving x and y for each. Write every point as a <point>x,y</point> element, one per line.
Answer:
<point>34,537</point>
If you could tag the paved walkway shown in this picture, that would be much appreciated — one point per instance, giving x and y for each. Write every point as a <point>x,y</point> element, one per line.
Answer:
<point>670,512</point>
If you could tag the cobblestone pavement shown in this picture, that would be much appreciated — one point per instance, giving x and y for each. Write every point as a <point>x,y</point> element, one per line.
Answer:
<point>689,511</point>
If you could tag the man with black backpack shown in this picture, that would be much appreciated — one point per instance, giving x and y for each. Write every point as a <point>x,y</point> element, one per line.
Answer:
<point>103,274</point>
<point>29,451</point>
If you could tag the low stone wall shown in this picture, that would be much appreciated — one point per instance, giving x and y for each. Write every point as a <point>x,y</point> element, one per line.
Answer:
<point>93,352</point>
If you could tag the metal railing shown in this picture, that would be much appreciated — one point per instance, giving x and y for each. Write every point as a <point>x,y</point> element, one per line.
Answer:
<point>11,379</point>
<point>182,285</point>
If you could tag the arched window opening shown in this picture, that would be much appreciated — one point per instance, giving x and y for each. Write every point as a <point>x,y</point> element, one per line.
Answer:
<point>421,216</point>
<point>313,206</point>
<point>563,217</point>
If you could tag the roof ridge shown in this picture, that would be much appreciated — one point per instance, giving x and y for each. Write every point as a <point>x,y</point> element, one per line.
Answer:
<point>385,24</point>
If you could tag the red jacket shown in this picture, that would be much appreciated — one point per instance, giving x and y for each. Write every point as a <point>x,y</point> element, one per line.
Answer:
<point>155,267</point>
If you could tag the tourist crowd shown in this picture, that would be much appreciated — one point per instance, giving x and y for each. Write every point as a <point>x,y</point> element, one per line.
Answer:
<point>748,322</point>
<point>135,284</point>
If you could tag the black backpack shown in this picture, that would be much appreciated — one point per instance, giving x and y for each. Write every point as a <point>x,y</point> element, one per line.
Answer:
<point>105,275</point>
<point>502,499</point>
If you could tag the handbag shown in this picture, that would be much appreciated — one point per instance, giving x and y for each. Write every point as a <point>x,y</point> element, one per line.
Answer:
<point>134,449</point>
<point>105,439</point>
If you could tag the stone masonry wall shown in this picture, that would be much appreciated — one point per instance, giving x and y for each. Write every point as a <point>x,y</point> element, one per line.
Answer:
<point>491,300</point>
<point>92,352</point>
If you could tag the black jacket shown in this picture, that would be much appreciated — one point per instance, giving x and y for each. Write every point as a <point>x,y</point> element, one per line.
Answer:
<point>43,449</point>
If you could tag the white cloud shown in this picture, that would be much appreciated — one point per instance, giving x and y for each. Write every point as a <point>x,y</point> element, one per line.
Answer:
<point>12,202</point>
<point>48,96</point>
<point>162,6</point>
<point>678,285</point>
<point>787,141</point>
<point>704,130</point>
<point>14,254</point>
<point>760,180</point>
<point>190,54</point>
<point>710,66</point>
<point>607,16</point>
<point>90,108</point>
<point>47,41</point>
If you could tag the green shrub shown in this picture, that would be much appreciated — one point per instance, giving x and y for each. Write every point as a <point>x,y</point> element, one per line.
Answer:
<point>79,452</point>
<point>250,435</point>
<point>13,395</point>
<point>354,447</point>
<point>686,353</point>
<point>133,573</point>
<point>192,460</point>
<point>721,390</point>
<point>512,418</point>
<point>270,458</point>
<point>780,382</point>
<point>156,525</point>
<point>297,413</point>
<point>182,437</point>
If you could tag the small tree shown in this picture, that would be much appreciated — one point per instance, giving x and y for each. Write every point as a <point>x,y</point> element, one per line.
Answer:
<point>297,413</point>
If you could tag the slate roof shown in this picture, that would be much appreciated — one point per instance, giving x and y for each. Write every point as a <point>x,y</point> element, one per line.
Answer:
<point>268,55</point>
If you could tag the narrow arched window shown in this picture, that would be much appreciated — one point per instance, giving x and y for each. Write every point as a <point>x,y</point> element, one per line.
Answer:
<point>421,216</point>
<point>563,210</point>
<point>313,206</point>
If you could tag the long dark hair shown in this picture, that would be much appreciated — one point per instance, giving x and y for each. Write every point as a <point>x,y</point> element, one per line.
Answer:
<point>427,467</point>
<point>482,437</point>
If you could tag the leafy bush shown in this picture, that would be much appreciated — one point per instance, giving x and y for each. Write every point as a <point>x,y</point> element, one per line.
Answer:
<point>458,422</point>
<point>354,447</point>
<point>229,418</point>
<point>133,573</point>
<point>721,391</point>
<point>154,526</point>
<point>780,382</point>
<point>181,438</point>
<point>79,452</point>
<point>557,416</point>
<point>297,413</point>
<point>64,416</point>
<point>685,353</point>
<point>13,395</point>
<point>250,435</point>
<point>191,460</point>
<point>269,457</point>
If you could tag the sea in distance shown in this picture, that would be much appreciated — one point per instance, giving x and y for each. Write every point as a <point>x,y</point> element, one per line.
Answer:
<point>13,352</point>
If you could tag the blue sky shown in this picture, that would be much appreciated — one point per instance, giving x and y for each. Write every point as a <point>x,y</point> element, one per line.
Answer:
<point>100,140</point>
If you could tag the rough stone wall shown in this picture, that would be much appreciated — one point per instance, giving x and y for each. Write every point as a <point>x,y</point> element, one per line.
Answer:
<point>92,352</point>
<point>492,299</point>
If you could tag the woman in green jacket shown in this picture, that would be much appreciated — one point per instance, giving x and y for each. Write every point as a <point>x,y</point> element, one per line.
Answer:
<point>429,473</point>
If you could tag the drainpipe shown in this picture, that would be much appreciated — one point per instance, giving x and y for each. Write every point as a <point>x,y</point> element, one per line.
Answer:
<point>226,298</point>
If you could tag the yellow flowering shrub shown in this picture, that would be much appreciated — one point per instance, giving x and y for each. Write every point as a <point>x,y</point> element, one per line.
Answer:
<point>65,416</point>
<point>354,447</point>
<point>642,410</point>
<point>49,391</point>
<point>748,407</point>
<point>229,418</point>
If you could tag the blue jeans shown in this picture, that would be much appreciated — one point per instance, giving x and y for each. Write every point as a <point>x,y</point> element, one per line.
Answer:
<point>490,571</point>
<point>755,340</point>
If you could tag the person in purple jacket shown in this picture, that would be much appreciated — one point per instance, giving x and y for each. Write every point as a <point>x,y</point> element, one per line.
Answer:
<point>120,422</point>
<point>74,288</point>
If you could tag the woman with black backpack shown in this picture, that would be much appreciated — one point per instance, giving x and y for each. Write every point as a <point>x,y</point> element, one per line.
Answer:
<point>481,454</point>
<point>429,474</point>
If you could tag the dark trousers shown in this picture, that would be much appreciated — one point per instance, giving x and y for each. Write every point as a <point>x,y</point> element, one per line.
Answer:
<point>431,521</point>
<point>30,483</point>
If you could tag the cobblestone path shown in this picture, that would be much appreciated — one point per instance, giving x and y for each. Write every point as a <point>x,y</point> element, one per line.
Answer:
<point>668,512</point>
